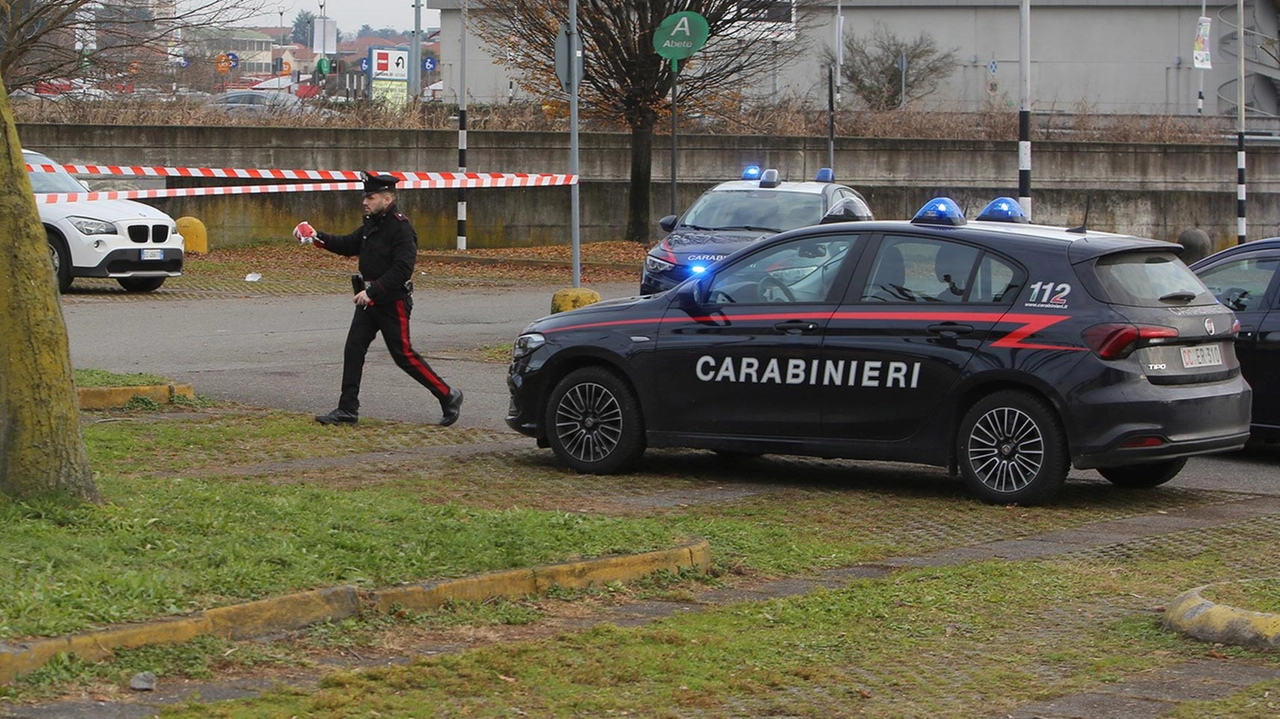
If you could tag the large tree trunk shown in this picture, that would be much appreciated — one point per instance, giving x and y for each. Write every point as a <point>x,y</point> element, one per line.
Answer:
<point>641,200</point>
<point>42,450</point>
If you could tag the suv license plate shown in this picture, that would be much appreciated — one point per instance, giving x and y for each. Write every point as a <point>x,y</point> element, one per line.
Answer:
<point>157,255</point>
<point>1201,356</point>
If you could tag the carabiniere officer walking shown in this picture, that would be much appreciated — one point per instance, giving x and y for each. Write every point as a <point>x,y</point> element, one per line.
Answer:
<point>388,249</point>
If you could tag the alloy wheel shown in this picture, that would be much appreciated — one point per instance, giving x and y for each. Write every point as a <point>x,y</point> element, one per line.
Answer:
<point>1006,449</point>
<point>589,422</point>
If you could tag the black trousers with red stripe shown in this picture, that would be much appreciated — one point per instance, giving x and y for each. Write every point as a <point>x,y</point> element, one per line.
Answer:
<point>392,320</point>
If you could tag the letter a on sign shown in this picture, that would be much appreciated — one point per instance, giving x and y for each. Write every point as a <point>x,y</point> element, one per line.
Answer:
<point>680,35</point>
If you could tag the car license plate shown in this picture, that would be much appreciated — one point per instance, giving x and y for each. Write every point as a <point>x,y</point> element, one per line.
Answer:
<point>153,254</point>
<point>1201,356</point>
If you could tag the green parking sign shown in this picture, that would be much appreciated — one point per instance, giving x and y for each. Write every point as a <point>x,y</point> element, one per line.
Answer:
<point>680,35</point>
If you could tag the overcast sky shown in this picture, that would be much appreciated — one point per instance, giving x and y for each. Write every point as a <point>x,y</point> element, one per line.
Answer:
<point>351,14</point>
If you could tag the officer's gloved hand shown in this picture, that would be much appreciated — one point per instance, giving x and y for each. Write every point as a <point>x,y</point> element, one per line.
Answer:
<point>306,234</point>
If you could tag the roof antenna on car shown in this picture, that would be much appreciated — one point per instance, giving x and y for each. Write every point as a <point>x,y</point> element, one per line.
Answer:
<point>1088,200</point>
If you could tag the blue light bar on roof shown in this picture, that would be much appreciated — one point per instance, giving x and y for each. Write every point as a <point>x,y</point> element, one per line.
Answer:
<point>939,211</point>
<point>1003,209</point>
<point>826,174</point>
<point>751,173</point>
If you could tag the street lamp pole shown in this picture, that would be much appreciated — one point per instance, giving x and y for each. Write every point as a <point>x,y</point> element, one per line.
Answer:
<point>462,130</point>
<point>415,54</point>
<point>1024,108</point>
<point>1240,186</point>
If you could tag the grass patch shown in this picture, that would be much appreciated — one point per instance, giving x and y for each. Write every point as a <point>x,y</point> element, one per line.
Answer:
<point>964,641</point>
<point>1259,595</point>
<point>103,378</point>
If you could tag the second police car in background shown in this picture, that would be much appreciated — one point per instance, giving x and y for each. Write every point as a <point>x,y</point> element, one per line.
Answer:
<point>1006,351</point>
<point>734,214</point>
<point>135,244</point>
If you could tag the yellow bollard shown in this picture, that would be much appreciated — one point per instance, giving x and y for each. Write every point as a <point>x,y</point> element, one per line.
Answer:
<point>572,299</point>
<point>194,234</point>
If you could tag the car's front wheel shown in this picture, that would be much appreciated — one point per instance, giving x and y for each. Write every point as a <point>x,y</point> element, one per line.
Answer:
<point>1143,476</point>
<point>61,259</point>
<point>1011,449</point>
<point>140,284</point>
<point>593,421</point>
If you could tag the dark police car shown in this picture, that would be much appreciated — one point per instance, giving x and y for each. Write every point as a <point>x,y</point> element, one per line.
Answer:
<point>1005,351</point>
<point>1244,278</point>
<point>732,215</point>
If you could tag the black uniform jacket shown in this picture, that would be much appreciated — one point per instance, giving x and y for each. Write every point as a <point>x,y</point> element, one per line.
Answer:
<point>388,248</point>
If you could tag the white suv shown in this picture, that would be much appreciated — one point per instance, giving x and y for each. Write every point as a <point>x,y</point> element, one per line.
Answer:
<point>137,245</point>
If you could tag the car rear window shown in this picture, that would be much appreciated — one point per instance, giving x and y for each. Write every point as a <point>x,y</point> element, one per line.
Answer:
<point>1149,279</point>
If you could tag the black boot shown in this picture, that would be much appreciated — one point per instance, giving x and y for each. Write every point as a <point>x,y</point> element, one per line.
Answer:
<point>452,407</point>
<point>338,416</point>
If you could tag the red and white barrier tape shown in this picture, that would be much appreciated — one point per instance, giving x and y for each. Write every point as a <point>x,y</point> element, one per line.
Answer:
<point>442,180</point>
<point>499,179</point>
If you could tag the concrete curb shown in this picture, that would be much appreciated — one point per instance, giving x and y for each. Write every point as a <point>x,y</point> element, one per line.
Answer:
<point>115,397</point>
<point>526,261</point>
<point>291,612</point>
<point>1193,615</point>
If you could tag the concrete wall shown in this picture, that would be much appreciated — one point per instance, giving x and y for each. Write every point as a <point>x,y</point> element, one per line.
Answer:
<point>1150,190</point>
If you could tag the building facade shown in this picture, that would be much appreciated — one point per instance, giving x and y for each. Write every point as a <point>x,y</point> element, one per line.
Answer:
<point>1097,56</point>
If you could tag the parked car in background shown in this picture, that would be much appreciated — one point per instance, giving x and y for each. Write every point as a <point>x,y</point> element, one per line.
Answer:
<point>135,244</point>
<point>257,102</point>
<point>735,214</point>
<point>1244,278</point>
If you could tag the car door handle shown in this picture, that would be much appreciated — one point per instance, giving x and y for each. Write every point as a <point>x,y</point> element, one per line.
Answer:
<point>950,329</point>
<point>795,327</point>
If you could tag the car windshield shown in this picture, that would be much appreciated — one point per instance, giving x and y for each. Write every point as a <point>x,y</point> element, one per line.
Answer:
<point>761,210</point>
<point>1150,279</point>
<point>49,182</point>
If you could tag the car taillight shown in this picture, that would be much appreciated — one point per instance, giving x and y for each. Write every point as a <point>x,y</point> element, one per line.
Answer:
<point>1235,328</point>
<point>1117,341</point>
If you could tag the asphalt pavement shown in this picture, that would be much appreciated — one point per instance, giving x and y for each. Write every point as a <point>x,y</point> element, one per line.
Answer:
<point>286,352</point>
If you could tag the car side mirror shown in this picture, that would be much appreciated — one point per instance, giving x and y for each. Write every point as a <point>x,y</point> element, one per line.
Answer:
<point>85,185</point>
<point>689,296</point>
<point>668,223</point>
<point>813,251</point>
<point>850,209</point>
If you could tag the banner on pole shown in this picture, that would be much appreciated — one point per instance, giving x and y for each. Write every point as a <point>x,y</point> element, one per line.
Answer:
<point>1200,49</point>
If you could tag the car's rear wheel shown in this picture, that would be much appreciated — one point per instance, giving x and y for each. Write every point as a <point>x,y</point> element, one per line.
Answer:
<point>593,422</point>
<point>1143,476</point>
<point>140,284</point>
<point>61,258</point>
<point>1011,449</point>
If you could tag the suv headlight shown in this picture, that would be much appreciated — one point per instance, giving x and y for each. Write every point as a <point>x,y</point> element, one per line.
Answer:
<point>653,264</point>
<point>526,344</point>
<point>90,226</point>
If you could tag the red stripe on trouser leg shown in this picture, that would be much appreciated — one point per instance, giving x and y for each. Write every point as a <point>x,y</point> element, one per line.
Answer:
<point>413,357</point>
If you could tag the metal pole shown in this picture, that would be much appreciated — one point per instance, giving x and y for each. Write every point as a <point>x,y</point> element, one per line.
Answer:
<point>1200,74</point>
<point>1024,108</point>
<point>462,130</point>
<point>415,54</point>
<point>839,47</point>
<point>574,207</point>
<point>831,117</point>
<point>1240,184</point>
<point>675,73</point>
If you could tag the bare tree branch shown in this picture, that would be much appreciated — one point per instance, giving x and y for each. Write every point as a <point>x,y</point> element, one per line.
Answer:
<point>871,67</point>
<point>92,40</point>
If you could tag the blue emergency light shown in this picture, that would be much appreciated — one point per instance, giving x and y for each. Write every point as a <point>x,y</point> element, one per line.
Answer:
<point>826,174</point>
<point>751,173</point>
<point>939,211</point>
<point>699,269</point>
<point>1003,209</point>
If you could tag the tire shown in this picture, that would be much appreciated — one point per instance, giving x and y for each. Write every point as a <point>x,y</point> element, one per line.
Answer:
<point>593,422</point>
<point>140,284</point>
<point>61,258</point>
<point>1143,476</point>
<point>1011,449</point>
